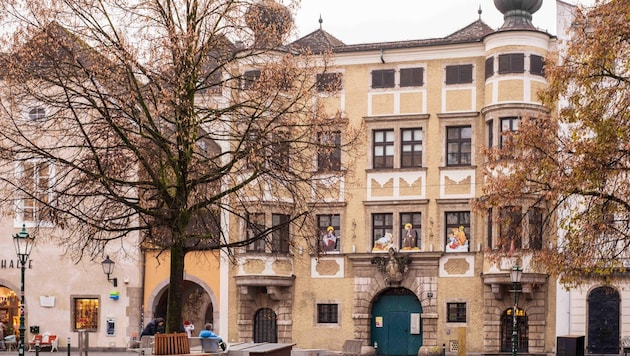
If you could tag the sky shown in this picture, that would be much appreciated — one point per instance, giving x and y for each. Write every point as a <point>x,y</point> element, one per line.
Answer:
<point>367,21</point>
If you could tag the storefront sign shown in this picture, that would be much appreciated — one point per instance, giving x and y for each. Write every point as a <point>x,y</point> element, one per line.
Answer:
<point>10,264</point>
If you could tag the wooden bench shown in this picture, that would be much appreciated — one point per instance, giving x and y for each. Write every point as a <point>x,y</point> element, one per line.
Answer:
<point>171,344</point>
<point>43,341</point>
<point>352,347</point>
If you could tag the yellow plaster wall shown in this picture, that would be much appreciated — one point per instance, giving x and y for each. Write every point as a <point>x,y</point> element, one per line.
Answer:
<point>411,102</point>
<point>459,100</point>
<point>203,265</point>
<point>382,104</point>
<point>535,87</point>
<point>511,90</point>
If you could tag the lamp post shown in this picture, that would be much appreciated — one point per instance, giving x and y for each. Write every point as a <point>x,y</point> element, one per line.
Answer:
<point>23,245</point>
<point>108,268</point>
<point>515,276</point>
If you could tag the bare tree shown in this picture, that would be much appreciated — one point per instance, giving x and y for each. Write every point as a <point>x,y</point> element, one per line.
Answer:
<point>158,118</point>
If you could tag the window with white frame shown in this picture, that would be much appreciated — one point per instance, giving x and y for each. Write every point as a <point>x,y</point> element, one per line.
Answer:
<point>458,145</point>
<point>383,148</point>
<point>35,178</point>
<point>411,147</point>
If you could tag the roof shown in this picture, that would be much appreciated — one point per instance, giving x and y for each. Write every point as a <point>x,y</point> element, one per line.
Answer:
<point>320,40</point>
<point>317,41</point>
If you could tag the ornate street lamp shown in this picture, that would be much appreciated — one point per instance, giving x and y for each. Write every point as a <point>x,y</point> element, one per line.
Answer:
<point>108,268</point>
<point>23,245</point>
<point>515,276</point>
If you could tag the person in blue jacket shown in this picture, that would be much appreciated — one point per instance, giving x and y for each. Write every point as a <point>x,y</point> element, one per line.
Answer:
<point>207,332</point>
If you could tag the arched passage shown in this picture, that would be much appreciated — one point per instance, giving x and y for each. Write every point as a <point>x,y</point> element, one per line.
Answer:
<point>200,304</point>
<point>396,326</point>
<point>507,330</point>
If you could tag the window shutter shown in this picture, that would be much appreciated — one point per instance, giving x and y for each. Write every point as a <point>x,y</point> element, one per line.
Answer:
<point>504,63</point>
<point>536,65</point>
<point>465,73</point>
<point>489,67</point>
<point>518,62</point>
<point>451,74</point>
<point>411,77</point>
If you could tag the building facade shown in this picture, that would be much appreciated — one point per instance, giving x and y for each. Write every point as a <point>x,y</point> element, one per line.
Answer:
<point>404,264</point>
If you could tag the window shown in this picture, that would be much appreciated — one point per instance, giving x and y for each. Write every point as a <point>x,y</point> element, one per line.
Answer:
<point>458,145</point>
<point>329,155</point>
<point>459,74</point>
<point>329,82</point>
<point>535,228</point>
<point>489,67</point>
<point>490,131</point>
<point>85,313</point>
<point>278,153</point>
<point>511,63</point>
<point>509,125</point>
<point>456,312</point>
<point>250,77</point>
<point>536,65</point>
<point>382,224</point>
<point>510,231</point>
<point>410,224</point>
<point>329,240</point>
<point>411,77</point>
<point>457,231</point>
<point>37,113</point>
<point>383,148</point>
<point>280,235</point>
<point>489,228</point>
<point>255,227</point>
<point>411,147</point>
<point>327,313</point>
<point>383,78</point>
<point>35,179</point>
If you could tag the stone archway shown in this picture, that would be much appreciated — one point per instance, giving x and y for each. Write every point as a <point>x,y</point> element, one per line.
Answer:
<point>200,304</point>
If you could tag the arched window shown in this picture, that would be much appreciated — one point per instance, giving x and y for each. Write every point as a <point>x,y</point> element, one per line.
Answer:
<point>265,326</point>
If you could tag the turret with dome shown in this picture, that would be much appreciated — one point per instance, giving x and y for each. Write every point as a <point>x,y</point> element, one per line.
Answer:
<point>517,14</point>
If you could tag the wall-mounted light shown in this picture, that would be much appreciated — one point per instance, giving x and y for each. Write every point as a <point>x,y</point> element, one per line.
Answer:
<point>108,268</point>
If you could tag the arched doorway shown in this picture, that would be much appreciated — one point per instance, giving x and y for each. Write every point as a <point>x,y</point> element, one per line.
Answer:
<point>197,308</point>
<point>396,326</point>
<point>603,321</point>
<point>507,329</point>
<point>265,326</point>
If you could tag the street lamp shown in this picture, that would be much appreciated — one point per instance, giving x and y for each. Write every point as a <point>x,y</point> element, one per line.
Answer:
<point>23,245</point>
<point>108,268</point>
<point>515,276</point>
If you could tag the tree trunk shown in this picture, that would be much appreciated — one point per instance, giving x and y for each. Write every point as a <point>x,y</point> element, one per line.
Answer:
<point>174,321</point>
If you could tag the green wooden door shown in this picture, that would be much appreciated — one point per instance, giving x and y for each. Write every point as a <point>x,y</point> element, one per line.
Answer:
<point>393,313</point>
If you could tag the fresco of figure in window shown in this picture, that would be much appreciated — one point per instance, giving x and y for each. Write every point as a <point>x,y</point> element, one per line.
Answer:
<point>384,243</point>
<point>329,240</point>
<point>410,238</point>
<point>457,241</point>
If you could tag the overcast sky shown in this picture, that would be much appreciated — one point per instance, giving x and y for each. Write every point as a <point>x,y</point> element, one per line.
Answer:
<point>365,21</point>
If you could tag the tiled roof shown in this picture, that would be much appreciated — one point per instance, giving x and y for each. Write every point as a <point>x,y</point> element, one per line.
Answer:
<point>317,41</point>
<point>320,40</point>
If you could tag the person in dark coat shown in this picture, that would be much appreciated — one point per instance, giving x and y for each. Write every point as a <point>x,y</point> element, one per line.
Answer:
<point>156,326</point>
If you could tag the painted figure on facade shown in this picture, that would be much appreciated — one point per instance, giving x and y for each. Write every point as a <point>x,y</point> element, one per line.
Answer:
<point>384,243</point>
<point>329,240</point>
<point>410,238</point>
<point>457,240</point>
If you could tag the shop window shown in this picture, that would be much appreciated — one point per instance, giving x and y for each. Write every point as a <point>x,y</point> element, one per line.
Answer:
<point>85,313</point>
